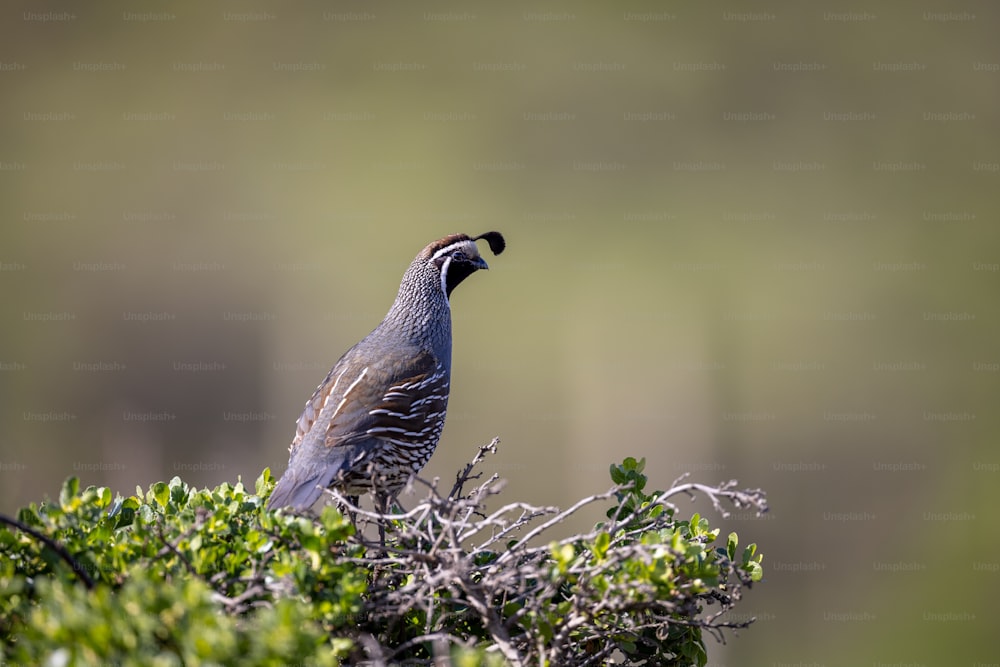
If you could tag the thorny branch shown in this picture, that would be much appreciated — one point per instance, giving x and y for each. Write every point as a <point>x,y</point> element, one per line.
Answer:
<point>461,572</point>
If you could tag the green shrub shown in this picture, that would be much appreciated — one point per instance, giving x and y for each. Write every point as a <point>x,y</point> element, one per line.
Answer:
<point>182,576</point>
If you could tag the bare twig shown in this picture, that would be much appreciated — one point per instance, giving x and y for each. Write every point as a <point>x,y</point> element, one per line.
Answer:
<point>464,574</point>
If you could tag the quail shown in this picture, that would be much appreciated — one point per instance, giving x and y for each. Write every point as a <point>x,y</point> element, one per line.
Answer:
<point>377,417</point>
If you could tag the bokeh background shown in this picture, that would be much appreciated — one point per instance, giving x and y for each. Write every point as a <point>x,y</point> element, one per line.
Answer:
<point>744,241</point>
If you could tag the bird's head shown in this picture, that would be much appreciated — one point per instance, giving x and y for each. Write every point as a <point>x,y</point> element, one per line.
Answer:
<point>457,257</point>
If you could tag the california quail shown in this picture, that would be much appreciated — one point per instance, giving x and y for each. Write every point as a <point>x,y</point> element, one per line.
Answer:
<point>376,418</point>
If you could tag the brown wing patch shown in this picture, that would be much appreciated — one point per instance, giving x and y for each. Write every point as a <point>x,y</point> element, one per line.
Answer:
<point>316,403</point>
<point>412,411</point>
<point>403,402</point>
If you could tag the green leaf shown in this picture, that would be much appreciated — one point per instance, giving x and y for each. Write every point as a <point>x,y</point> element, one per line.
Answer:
<point>161,493</point>
<point>29,515</point>
<point>731,543</point>
<point>563,556</point>
<point>618,474</point>
<point>601,544</point>
<point>263,482</point>
<point>70,490</point>
<point>626,646</point>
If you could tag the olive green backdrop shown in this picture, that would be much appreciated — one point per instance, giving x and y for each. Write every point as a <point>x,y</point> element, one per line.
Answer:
<point>750,241</point>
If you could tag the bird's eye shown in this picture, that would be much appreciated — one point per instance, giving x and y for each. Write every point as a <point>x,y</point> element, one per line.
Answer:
<point>459,256</point>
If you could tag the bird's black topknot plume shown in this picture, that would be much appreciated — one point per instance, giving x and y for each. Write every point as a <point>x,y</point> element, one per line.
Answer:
<point>495,239</point>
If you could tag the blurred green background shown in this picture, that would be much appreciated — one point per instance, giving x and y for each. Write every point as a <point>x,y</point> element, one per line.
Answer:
<point>753,241</point>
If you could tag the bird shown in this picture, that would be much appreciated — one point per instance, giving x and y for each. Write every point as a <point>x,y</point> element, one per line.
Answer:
<point>376,418</point>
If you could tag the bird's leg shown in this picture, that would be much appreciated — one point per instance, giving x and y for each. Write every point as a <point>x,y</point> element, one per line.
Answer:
<point>382,507</point>
<point>351,514</point>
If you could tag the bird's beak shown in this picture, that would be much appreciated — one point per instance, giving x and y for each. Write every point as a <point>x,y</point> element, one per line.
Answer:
<point>480,263</point>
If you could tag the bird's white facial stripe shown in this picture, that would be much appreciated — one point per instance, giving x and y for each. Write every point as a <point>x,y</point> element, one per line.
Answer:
<point>469,247</point>
<point>444,277</point>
